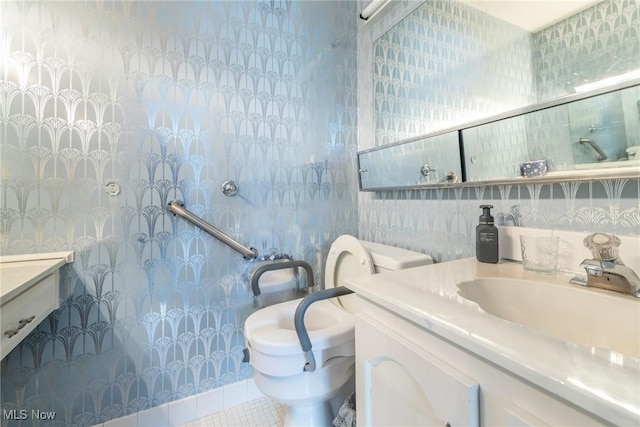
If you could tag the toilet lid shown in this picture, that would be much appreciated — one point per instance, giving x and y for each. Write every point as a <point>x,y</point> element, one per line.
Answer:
<point>347,259</point>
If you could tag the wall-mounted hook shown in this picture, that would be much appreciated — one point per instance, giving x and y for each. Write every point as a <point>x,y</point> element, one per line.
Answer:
<point>426,169</point>
<point>229,188</point>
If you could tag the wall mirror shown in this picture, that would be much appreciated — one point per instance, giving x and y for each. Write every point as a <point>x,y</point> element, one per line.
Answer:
<point>475,65</point>
<point>412,164</point>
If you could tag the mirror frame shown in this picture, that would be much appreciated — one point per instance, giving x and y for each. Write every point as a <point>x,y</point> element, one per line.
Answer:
<point>564,176</point>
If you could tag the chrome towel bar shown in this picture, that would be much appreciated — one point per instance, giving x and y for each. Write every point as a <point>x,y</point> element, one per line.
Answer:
<point>177,208</point>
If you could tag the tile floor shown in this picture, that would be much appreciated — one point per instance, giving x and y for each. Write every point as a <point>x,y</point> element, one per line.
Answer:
<point>256,413</point>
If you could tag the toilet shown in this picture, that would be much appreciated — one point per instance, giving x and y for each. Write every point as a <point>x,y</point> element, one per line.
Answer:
<point>274,348</point>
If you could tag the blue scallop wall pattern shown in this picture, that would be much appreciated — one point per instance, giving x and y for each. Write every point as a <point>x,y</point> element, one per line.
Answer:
<point>441,221</point>
<point>168,99</point>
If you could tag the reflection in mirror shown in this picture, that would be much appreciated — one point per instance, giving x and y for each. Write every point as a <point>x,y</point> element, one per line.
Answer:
<point>595,133</point>
<point>449,63</point>
<point>607,129</point>
<point>495,150</point>
<point>445,64</point>
<point>578,139</point>
<point>412,164</point>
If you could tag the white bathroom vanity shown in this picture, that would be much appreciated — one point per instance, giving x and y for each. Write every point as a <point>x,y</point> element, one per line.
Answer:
<point>29,292</point>
<point>425,355</point>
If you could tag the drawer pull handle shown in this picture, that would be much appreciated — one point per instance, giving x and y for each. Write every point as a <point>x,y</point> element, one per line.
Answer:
<point>21,324</point>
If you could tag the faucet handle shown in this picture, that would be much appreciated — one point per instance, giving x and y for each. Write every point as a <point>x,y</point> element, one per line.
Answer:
<point>603,246</point>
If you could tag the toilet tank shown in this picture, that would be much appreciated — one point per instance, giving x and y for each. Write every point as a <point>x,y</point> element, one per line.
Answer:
<point>389,258</point>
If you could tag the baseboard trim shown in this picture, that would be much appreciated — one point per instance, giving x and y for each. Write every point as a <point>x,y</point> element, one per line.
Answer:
<point>191,408</point>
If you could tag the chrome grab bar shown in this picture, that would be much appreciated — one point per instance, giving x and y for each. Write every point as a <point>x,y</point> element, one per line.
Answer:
<point>601,154</point>
<point>177,208</point>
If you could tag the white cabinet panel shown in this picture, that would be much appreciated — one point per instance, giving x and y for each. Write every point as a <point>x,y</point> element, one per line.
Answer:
<point>408,376</point>
<point>405,385</point>
<point>518,417</point>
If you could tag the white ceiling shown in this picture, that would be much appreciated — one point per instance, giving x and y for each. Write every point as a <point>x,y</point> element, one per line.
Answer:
<point>532,15</point>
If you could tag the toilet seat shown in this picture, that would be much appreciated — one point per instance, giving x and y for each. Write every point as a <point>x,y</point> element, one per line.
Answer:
<point>347,258</point>
<point>271,329</point>
<point>270,332</point>
<point>274,345</point>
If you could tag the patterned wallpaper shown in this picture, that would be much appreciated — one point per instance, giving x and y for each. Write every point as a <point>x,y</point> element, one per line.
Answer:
<point>169,99</point>
<point>441,222</point>
<point>445,64</point>
<point>600,41</point>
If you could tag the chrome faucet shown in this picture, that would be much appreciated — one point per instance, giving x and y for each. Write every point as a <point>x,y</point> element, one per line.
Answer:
<point>606,270</point>
<point>611,276</point>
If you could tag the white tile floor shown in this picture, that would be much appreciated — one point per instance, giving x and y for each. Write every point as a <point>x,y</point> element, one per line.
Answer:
<point>256,413</point>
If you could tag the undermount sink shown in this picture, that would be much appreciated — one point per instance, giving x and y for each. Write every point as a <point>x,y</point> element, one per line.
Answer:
<point>568,312</point>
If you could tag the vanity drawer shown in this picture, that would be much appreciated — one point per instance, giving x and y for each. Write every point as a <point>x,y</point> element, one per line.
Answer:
<point>20,315</point>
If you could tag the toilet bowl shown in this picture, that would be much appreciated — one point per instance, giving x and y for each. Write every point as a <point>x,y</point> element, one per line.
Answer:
<point>274,348</point>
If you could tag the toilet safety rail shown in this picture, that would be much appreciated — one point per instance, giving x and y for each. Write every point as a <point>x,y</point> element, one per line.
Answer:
<point>177,208</point>
<point>279,265</point>
<point>298,321</point>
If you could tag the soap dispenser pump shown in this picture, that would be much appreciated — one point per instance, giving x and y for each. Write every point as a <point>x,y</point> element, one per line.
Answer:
<point>486,237</point>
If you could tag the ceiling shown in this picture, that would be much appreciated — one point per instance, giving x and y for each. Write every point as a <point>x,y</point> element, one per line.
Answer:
<point>532,15</point>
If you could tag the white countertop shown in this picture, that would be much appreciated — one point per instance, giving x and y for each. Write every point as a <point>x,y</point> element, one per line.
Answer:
<point>19,272</point>
<point>604,383</point>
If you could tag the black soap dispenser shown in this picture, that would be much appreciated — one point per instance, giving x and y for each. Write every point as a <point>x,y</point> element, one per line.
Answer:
<point>486,237</point>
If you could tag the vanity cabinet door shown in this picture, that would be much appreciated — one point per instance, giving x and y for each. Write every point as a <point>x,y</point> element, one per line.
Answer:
<point>398,383</point>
